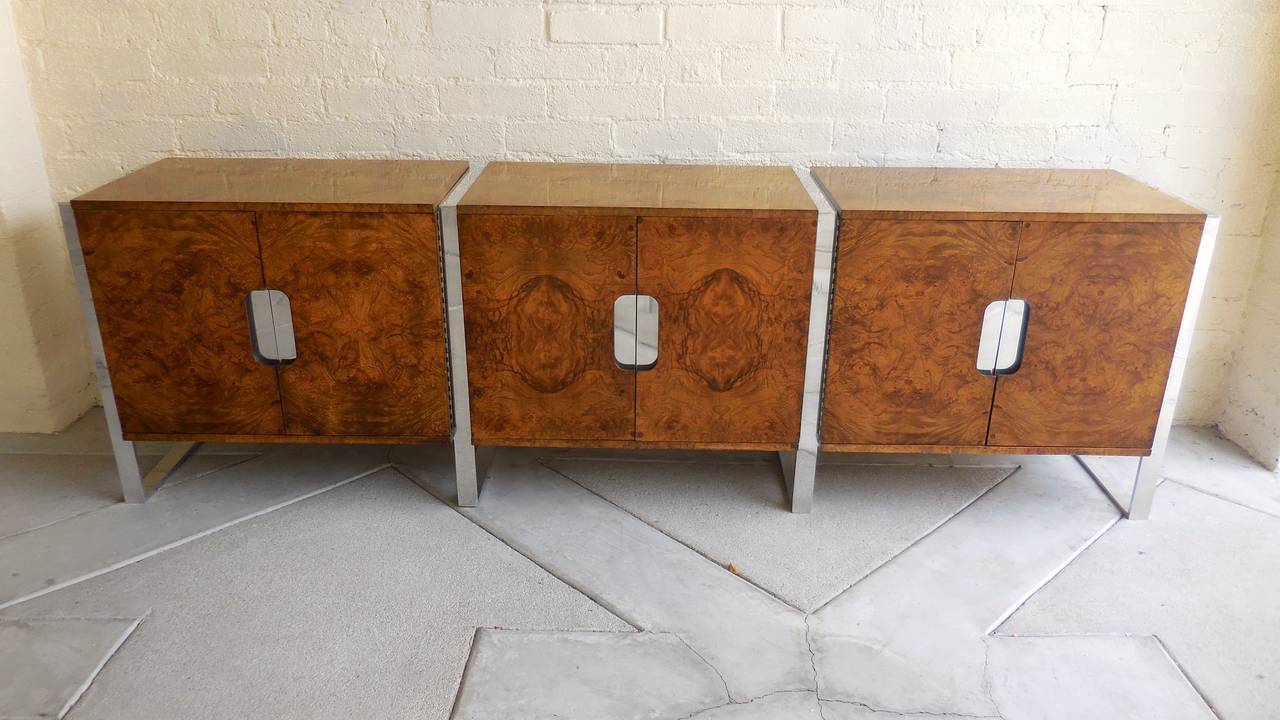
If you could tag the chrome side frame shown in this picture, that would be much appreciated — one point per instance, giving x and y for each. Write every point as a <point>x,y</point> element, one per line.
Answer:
<point>800,467</point>
<point>134,485</point>
<point>1148,473</point>
<point>470,463</point>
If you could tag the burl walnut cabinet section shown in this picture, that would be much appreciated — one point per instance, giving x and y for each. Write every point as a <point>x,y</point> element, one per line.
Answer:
<point>1102,262</point>
<point>724,255</point>
<point>173,251</point>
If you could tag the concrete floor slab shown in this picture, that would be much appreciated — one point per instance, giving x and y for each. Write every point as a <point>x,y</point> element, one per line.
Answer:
<point>1202,458</point>
<point>908,638</point>
<point>360,602</point>
<point>36,561</point>
<point>1089,677</point>
<point>736,512</point>
<point>585,676</point>
<point>1116,474</point>
<point>1200,575</point>
<point>755,641</point>
<point>46,664</point>
<point>835,710</point>
<point>38,490</point>
<point>778,706</point>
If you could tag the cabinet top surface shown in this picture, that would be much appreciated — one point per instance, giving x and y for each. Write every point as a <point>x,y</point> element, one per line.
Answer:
<point>641,189</point>
<point>961,193</point>
<point>263,183</point>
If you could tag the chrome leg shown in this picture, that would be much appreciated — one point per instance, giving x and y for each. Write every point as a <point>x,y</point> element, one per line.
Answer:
<point>469,466</point>
<point>1150,467</point>
<point>800,467</point>
<point>131,483</point>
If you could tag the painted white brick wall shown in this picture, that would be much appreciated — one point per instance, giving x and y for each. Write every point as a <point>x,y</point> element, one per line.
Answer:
<point>1180,94</point>
<point>45,381</point>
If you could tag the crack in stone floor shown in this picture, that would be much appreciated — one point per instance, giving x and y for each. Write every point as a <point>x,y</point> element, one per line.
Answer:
<point>912,639</point>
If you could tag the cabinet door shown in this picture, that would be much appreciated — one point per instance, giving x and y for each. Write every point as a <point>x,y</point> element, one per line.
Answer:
<point>538,292</point>
<point>733,318</point>
<point>1105,303</point>
<point>906,319</point>
<point>169,290</point>
<point>368,317</point>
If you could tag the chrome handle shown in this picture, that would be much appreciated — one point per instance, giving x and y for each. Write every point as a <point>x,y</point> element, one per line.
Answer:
<point>635,332</point>
<point>271,327</point>
<point>1004,337</point>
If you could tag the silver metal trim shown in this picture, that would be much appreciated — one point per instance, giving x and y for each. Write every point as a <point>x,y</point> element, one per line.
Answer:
<point>262,332</point>
<point>1148,473</point>
<point>271,327</point>
<point>282,325</point>
<point>1013,337</point>
<point>989,340</point>
<point>800,467</point>
<point>132,484</point>
<point>635,332</point>
<point>469,472</point>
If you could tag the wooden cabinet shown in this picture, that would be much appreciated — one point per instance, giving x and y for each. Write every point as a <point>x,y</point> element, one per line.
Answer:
<point>173,251</point>
<point>906,319</point>
<point>169,290</point>
<point>725,255</point>
<point>733,298</point>
<point>1106,302</point>
<point>538,292</point>
<point>1102,262</point>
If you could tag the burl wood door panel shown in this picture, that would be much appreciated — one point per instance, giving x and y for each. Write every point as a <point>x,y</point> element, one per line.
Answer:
<point>169,290</point>
<point>368,317</point>
<point>1106,302</point>
<point>906,319</point>
<point>733,308</point>
<point>538,292</point>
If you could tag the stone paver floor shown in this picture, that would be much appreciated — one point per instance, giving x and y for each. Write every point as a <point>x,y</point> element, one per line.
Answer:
<point>574,591</point>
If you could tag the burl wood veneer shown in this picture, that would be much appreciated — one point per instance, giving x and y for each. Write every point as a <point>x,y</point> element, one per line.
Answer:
<point>1103,262</point>
<point>727,252</point>
<point>173,249</point>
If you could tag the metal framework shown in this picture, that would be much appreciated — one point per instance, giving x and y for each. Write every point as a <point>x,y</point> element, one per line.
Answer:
<point>800,467</point>
<point>470,464</point>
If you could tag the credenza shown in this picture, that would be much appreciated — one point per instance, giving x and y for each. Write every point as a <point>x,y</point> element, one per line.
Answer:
<point>1008,311</point>
<point>271,300</point>
<point>642,306</point>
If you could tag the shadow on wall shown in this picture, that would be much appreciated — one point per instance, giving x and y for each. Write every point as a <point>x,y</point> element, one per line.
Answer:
<point>1251,408</point>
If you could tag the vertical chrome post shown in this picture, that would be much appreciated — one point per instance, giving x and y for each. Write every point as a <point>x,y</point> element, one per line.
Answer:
<point>1150,467</point>
<point>123,450</point>
<point>468,470</point>
<point>800,467</point>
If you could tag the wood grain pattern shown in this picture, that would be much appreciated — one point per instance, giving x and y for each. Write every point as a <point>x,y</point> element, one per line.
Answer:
<point>733,297</point>
<point>169,290</point>
<point>290,439</point>
<point>644,444</point>
<point>998,194</point>
<point>979,450</point>
<point>368,315</point>
<point>613,189</point>
<point>1106,302</point>
<point>313,185</point>
<point>906,319</point>
<point>538,293</point>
